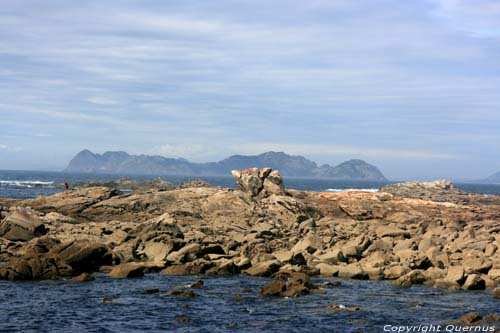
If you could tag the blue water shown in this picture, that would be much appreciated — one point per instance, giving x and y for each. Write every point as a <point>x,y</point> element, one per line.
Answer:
<point>66,306</point>
<point>29,184</point>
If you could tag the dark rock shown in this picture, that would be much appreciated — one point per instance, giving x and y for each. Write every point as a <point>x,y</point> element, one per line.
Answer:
<point>197,284</point>
<point>151,291</point>
<point>183,320</point>
<point>183,293</point>
<point>288,285</point>
<point>470,318</point>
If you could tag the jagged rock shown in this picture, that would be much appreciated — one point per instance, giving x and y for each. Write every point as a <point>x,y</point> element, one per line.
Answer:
<point>254,181</point>
<point>289,285</point>
<point>474,282</point>
<point>23,224</point>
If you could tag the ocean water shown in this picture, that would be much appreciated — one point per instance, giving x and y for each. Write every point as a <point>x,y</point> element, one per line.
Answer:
<point>67,306</point>
<point>30,184</point>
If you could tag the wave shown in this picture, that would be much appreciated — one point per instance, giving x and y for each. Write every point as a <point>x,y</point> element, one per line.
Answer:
<point>351,189</point>
<point>25,183</point>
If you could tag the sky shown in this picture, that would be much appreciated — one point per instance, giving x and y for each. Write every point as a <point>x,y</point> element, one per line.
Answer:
<point>412,87</point>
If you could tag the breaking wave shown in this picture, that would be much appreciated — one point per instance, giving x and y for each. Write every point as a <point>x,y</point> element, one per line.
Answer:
<point>25,183</point>
<point>351,189</point>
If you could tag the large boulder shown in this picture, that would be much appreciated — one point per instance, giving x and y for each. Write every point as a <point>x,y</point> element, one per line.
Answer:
<point>82,255</point>
<point>262,183</point>
<point>289,285</point>
<point>23,224</point>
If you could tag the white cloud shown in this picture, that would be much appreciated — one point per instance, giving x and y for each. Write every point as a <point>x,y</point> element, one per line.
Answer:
<point>479,18</point>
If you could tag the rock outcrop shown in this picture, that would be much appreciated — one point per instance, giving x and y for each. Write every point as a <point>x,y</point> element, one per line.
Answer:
<point>23,224</point>
<point>259,183</point>
<point>260,229</point>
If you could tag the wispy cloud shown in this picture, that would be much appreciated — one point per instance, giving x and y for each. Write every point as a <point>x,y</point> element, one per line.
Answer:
<point>386,79</point>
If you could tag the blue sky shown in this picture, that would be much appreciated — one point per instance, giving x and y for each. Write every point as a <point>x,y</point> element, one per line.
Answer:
<point>410,86</point>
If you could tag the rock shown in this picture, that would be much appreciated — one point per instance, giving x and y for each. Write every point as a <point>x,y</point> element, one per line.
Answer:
<point>456,274</point>
<point>195,183</point>
<point>470,318</point>
<point>164,224</point>
<point>151,291</point>
<point>352,271</point>
<point>395,272</point>
<point>238,298</point>
<point>333,256</point>
<point>289,285</point>
<point>494,274</point>
<point>187,253</point>
<point>265,269</point>
<point>273,183</point>
<point>249,181</point>
<point>327,270</point>
<point>183,293</point>
<point>290,257</point>
<point>23,224</point>
<point>128,270</point>
<point>84,277</point>
<point>257,182</point>
<point>35,267</point>
<point>341,307</point>
<point>446,284</point>
<point>275,288</point>
<point>496,293</point>
<point>474,282</point>
<point>411,278</point>
<point>351,251</point>
<point>175,270</point>
<point>71,203</point>
<point>183,320</point>
<point>83,256</point>
<point>309,244</point>
<point>197,284</point>
<point>388,231</point>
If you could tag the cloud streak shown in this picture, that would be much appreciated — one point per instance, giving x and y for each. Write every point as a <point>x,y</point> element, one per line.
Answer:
<point>385,80</point>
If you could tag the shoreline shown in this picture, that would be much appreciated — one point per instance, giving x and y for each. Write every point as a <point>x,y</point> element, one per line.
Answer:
<point>260,229</point>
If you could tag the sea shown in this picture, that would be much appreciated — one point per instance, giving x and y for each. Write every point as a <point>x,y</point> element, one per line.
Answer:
<point>30,184</point>
<point>224,304</point>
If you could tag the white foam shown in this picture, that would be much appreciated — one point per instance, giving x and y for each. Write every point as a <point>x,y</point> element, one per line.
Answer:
<point>351,189</point>
<point>24,183</point>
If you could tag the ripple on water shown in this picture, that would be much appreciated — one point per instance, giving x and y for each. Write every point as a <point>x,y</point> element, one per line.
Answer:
<point>67,306</point>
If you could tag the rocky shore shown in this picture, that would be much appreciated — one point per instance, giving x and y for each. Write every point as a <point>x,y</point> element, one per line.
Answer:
<point>411,233</point>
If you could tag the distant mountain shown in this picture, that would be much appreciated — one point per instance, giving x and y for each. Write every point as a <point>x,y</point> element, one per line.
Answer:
<point>495,178</point>
<point>292,166</point>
